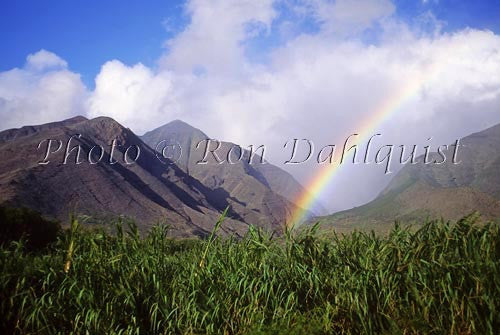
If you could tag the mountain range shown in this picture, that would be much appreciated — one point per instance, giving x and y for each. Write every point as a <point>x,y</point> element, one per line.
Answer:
<point>187,196</point>
<point>102,170</point>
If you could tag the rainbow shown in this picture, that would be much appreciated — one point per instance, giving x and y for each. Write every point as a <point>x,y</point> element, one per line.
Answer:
<point>365,130</point>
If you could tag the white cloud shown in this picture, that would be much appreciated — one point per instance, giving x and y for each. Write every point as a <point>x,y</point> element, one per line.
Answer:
<point>42,91</point>
<point>212,41</point>
<point>44,60</point>
<point>132,95</point>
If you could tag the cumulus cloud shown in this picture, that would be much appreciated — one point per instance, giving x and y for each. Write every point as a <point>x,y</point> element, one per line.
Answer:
<point>43,90</point>
<point>212,41</point>
<point>43,60</point>
<point>132,95</point>
<point>322,85</point>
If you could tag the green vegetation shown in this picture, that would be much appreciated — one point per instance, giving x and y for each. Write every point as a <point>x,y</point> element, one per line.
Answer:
<point>442,279</point>
<point>24,223</point>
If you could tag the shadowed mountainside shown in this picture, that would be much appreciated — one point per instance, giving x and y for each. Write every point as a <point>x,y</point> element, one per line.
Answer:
<point>148,191</point>
<point>234,178</point>
<point>264,188</point>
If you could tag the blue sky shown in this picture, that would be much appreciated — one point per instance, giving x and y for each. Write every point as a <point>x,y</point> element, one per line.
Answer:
<point>86,33</point>
<point>456,13</point>
<point>89,33</point>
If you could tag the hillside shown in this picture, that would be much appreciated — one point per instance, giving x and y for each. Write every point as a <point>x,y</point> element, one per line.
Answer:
<point>447,190</point>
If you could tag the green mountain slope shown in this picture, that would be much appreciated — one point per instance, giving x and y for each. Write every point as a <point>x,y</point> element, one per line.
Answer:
<point>447,190</point>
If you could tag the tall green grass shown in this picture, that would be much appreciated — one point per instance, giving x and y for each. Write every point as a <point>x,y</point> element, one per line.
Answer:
<point>442,279</point>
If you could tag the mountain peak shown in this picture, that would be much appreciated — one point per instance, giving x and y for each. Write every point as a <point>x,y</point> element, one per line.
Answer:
<point>176,126</point>
<point>178,122</point>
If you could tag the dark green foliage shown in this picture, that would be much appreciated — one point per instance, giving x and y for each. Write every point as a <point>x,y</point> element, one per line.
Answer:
<point>18,223</point>
<point>442,279</point>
